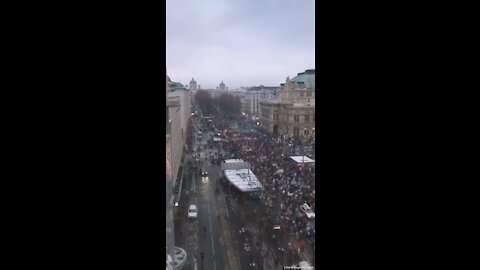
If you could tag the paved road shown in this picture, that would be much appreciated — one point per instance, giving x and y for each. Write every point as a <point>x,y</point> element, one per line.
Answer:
<point>204,187</point>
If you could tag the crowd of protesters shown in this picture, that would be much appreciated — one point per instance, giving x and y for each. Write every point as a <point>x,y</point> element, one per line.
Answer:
<point>287,184</point>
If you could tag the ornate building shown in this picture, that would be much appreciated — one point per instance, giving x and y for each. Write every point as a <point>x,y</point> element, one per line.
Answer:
<point>292,112</point>
<point>193,85</point>
<point>221,87</point>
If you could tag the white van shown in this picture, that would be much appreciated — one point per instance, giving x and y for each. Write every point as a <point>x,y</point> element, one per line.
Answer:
<point>307,210</point>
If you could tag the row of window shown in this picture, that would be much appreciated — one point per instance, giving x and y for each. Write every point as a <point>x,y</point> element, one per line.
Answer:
<point>296,118</point>
<point>296,131</point>
<point>309,94</point>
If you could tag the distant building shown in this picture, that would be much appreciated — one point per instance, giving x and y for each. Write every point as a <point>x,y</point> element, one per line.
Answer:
<point>292,111</point>
<point>238,93</point>
<point>193,85</point>
<point>221,87</point>
<point>252,98</point>
<point>216,92</point>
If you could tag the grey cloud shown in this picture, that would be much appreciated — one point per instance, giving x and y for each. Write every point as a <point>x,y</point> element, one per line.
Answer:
<point>241,42</point>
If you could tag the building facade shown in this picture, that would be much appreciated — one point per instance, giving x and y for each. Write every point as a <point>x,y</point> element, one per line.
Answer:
<point>252,98</point>
<point>183,98</point>
<point>251,102</point>
<point>175,256</point>
<point>292,111</point>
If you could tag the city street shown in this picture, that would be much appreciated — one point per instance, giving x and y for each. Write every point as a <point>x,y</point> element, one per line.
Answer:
<point>207,215</point>
<point>225,234</point>
<point>200,191</point>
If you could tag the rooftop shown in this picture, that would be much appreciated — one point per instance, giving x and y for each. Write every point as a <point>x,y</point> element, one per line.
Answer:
<point>244,180</point>
<point>307,77</point>
<point>233,160</point>
<point>302,159</point>
<point>261,87</point>
<point>176,85</point>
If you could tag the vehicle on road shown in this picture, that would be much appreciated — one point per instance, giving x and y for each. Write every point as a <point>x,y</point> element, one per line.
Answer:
<point>192,211</point>
<point>307,210</point>
<point>199,132</point>
<point>204,174</point>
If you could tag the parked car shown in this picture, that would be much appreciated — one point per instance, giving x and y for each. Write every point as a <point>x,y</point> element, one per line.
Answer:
<point>192,211</point>
<point>307,210</point>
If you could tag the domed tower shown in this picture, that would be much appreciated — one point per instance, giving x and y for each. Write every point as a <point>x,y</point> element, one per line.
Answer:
<point>222,86</point>
<point>193,85</point>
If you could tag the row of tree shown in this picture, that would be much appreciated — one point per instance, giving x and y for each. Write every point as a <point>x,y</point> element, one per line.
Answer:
<point>225,102</point>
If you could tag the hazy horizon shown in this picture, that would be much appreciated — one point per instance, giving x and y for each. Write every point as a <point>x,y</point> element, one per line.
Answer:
<point>244,43</point>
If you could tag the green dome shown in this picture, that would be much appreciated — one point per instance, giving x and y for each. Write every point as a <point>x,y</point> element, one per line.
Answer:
<point>177,85</point>
<point>307,77</point>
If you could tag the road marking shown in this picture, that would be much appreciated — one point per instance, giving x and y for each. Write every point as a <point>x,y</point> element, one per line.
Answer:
<point>210,224</point>
<point>214,265</point>
<point>226,207</point>
<point>211,231</point>
<point>213,250</point>
<point>193,185</point>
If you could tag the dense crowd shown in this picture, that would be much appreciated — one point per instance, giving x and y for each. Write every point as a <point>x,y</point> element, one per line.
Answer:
<point>287,184</point>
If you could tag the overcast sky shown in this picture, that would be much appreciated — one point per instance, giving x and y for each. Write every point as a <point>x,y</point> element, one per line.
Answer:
<point>242,42</point>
